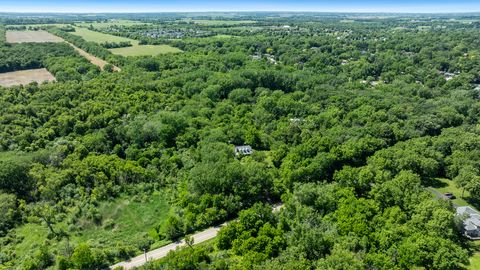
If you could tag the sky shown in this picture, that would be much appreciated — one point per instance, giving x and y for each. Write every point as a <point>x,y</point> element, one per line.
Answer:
<point>100,6</point>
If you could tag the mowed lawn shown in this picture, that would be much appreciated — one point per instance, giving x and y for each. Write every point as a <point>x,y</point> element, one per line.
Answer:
<point>94,36</point>
<point>474,262</point>
<point>141,50</point>
<point>447,185</point>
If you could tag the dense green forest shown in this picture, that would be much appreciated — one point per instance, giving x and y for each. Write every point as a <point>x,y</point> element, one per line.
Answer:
<point>349,121</point>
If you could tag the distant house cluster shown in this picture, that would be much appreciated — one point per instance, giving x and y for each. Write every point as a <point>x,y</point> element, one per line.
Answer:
<point>243,150</point>
<point>471,223</point>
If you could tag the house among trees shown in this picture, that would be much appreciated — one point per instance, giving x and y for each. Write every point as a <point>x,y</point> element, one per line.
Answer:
<point>244,150</point>
<point>471,223</point>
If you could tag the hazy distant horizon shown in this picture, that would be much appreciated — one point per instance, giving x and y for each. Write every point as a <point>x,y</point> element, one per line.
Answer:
<point>327,6</point>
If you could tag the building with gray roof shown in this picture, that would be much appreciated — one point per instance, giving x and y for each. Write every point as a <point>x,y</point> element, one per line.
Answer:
<point>244,150</point>
<point>471,222</point>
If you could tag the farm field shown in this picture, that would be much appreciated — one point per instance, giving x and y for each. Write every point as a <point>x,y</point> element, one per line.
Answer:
<point>31,37</point>
<point>135,50</point>
<point>140,50</point>
<point>25,77</point>
<point>220,22</point>
<point>36,25</point>
<point>94,36</point>
<point>101,25</point>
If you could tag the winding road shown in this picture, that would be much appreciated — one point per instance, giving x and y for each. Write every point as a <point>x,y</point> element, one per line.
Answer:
<point>159,253</point>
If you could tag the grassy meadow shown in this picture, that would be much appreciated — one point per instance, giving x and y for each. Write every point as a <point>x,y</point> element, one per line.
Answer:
<point>109,23</point>
<point>135,50</point>
<point>141,50</point>
<point>94,36</point>
<point>220,22</point>
<point>444,185</point>
<point>123,222</point>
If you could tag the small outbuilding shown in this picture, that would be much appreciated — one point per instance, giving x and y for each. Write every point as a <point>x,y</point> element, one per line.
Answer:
<point>243,150</point>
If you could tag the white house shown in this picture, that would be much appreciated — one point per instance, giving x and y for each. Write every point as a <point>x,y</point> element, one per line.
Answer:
<point>243,150</point>
<point>471,224</point>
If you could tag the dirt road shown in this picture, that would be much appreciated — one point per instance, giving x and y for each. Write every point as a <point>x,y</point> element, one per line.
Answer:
<point>94,60</point>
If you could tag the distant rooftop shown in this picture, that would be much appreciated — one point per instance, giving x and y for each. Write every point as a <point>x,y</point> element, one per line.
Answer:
<point>243,150</point>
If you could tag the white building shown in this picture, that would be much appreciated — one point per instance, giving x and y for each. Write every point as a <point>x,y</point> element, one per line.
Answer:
<point>243,150</point>
<point>471,223</point>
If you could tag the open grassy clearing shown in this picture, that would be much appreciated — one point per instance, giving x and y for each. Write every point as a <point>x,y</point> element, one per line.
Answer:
<point>31,37</point>
<point>101,25</point>
<point>474,261</point>
<point>220,22</point>
<point>94,36</point>
<point>135,50</point>
<point>37,25</point>
<point>444,185</point>
<point>142,50</point>
<point>25,77</point>
<point>124,222</point>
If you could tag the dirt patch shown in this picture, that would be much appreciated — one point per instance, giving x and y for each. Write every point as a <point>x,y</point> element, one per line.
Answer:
<point>25,77</point>
<point>31,37</point>
<point>94,60</point>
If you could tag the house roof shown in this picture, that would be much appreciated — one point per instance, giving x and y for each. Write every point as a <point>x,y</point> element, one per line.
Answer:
<point>467,210</point>
<point>243,149</point>
<point>473,220</point>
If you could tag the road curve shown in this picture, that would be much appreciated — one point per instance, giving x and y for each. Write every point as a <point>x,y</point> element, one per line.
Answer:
<point>159,253</point>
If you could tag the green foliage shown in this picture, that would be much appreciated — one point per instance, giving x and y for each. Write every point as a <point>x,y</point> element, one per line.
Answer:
<point>348,123</point>
<point>8,211</point>
<point>84,257</point>
<point>27,56</point>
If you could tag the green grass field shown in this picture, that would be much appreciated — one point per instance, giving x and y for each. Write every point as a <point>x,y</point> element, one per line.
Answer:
<point>141,50</point>
<point>102,25</point>
<point>135,50</point>
<point>446,185</point>
<point>128,222</point>
<point>219,22</point>
<point>223,36</point>
<point>474,262</point>
<point>36,25</point>
<point>94,36</point>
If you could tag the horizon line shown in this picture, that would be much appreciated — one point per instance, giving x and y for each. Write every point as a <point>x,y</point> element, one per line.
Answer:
<point>240,11</point>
